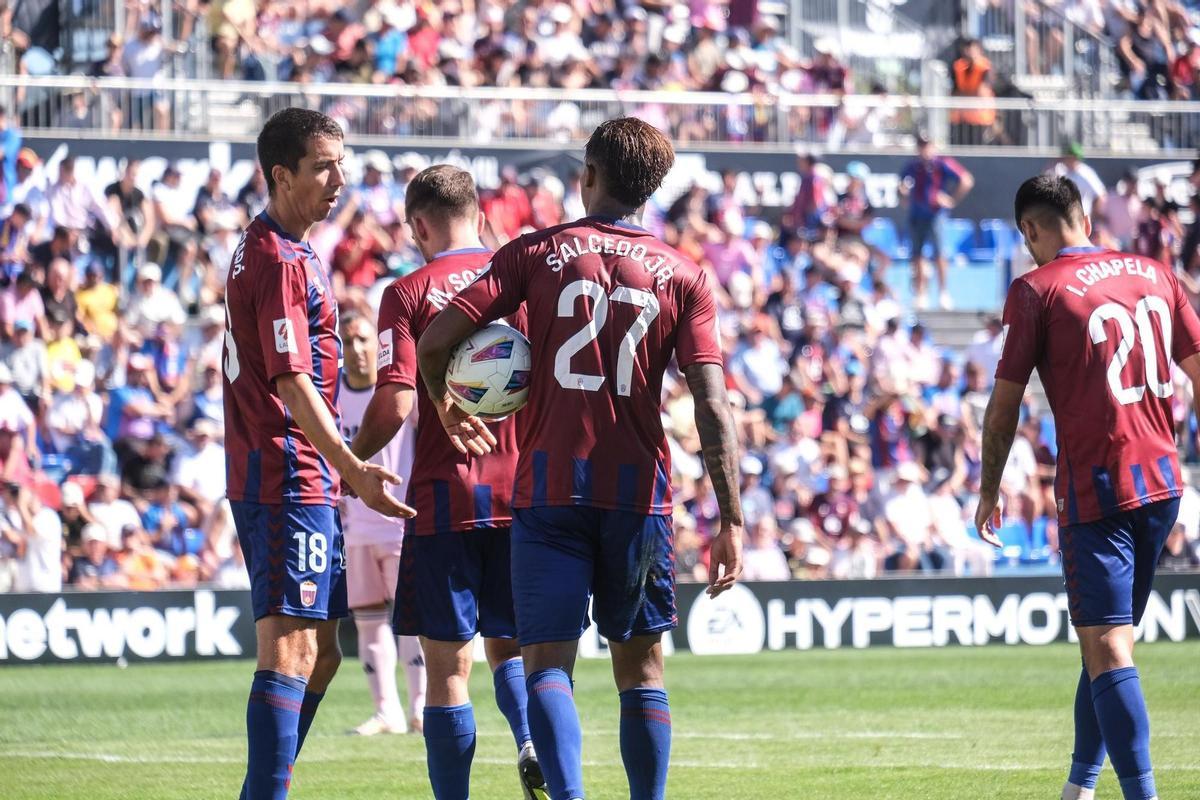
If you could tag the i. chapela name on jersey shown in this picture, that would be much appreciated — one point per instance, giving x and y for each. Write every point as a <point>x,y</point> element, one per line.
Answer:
<point>440,298</point>
<point>1096,271</point>
<point>569,249</point>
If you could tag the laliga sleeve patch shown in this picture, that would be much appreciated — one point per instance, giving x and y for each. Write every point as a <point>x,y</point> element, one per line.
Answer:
<point>385,348</point>
<point>285,336</point>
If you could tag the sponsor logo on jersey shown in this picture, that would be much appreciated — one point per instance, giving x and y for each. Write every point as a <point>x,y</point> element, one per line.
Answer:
<point>386,341</point>
<point>308,594</point>
<point>285,336</point>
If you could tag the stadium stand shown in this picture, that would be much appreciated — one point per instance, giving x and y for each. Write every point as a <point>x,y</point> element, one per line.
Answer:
<point>859,419</point>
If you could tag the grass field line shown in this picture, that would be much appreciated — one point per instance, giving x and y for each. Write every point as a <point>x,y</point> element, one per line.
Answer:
<point>735,736</point>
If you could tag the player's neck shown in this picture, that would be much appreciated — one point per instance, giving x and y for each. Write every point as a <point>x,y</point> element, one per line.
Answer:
<point>456,239</point>
<point>292,223</point>
<point>608,207</point>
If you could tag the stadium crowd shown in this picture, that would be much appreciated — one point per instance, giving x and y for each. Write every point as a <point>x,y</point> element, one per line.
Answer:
<point>860,435</point>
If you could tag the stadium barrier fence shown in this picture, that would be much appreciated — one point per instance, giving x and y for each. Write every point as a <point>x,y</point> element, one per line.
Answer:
<point>107,627</point>
<point>70,105</point>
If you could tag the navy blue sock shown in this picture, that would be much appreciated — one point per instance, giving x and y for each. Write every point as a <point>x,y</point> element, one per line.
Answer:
<point>272,721</point>
<point>308,710</point>
<point>1088,758</point>
<point>1121,710</point>
<point>449,749</point>
<point>512,698</point>
<point>646,741</point>
<point>557,736</point>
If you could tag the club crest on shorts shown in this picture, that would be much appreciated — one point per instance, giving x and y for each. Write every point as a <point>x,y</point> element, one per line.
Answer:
<point>308,594</point>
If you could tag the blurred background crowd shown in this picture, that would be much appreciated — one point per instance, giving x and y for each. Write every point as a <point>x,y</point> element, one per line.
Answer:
<point>859,413</point>
<point>860,431</point>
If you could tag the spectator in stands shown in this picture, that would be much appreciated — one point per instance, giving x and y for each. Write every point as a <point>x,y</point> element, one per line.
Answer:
<point>359,258</point>
<point>30,190</point>
<point>112,511</point>
<point>10,148</point>
<point>75,517</point>
<point>26,357</point>
<point>1185,70</point>
<point>972,77</point>
<point>97,302</point>
<point>143,567</point>
<point>1122,210</point>
<point>1179,554</point>
<point>811,203</point>
<point>74,204</point>
<point>985,347</point>
<point>14,242</point>
<point>152,303</point>
<point>200,471</point>
<point>38,538</point>
<point>96,568</point>
<point>58,299</point>
<point>763,558</point>
<point>931,185</point>
<point>65,243</point>
<point>213,206</point>
<point>1145,56</point>
<point>910,522</point>
<point>1091,188</point>
<point>145,58</point>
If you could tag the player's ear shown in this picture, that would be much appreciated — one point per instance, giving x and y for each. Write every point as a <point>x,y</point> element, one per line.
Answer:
<point>281,175</point>
<point>1087,225</point>
<point>419,229</point>
<point>480,222</point>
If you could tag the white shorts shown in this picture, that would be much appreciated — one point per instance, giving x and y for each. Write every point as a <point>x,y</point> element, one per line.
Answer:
<point>371,573</point>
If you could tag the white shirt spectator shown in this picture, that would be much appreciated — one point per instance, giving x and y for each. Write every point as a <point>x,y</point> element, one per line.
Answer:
<point>41,568</point>
<point>148,309</point>
<point>909,513</point>
<point>762,365</point>
<point>1021,466</point>
<point>74,205</point>
<point>984,351</point>
<point>113,517</point>
<point>143,59</point>
<point>70,415</point>
<point>1090,186</point>
<point>203,471</point>
<point>14,412</point>
<point>1122,212</point>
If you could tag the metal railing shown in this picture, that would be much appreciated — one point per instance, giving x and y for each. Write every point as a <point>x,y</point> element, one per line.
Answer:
<point>1032,38</point>
<point>236,110</point>
<point>876,43</point>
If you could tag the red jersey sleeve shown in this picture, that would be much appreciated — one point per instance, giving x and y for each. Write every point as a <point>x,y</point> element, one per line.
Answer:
<point>698,340</point>
<point>282,322</point>
<point>1185,340</point>
<point>500,290</point>
<point>1024,333</point>
<point>397,345</point>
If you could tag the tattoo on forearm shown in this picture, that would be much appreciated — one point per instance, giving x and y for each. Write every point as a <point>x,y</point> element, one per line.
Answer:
<point>718,437</point>
<point>998,433</point>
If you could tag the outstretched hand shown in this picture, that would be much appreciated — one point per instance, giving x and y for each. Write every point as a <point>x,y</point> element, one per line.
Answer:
<point>369,484</point>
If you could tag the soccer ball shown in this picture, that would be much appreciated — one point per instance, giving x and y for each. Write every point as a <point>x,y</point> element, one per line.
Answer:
<point>488,373</point>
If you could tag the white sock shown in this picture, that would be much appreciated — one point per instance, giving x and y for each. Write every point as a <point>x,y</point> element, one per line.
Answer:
<point>1072,792</point>
<point>414,673</point>
<point>377,650</point>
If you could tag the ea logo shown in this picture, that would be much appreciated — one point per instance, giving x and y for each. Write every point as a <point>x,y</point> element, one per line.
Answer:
<point>731,624</point>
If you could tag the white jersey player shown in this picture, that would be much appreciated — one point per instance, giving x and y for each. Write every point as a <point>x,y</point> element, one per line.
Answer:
<point>373,544</point>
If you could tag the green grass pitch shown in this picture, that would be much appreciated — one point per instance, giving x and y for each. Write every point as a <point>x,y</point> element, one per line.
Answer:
<point>993,722</point>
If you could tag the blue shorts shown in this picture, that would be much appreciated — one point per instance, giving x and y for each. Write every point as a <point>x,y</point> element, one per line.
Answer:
<point>927,230</point>
<point>563,555</point>
<point>1109,564</point>
<point>455,584</point>
<point>296,559</point>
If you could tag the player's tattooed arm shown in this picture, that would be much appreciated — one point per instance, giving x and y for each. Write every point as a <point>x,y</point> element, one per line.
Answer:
<point>999,429</point>
<point>718,437</point>
<point>718,441</point>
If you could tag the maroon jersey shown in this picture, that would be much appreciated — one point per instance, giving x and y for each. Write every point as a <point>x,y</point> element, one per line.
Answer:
<point>449,490</point>
<point>1102,329</point>
<point>280,317</point>
<point>608,306</point>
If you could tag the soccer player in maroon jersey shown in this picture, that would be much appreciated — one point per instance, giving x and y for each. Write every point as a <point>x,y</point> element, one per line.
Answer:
<point>1102,328</point>
<point>285,458</point>
<point>455,568</point>
<point>608,307</point>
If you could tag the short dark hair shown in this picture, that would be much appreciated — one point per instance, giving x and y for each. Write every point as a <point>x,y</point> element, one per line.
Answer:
<point>442,191</point>
<point>1055,196</point>
<point>352,316</point>
<point>632,158</point>
<point>284,139</point>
